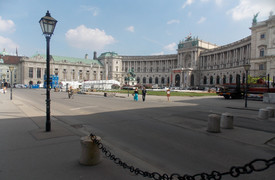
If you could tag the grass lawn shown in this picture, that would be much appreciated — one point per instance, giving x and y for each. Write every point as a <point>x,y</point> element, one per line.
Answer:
<point>172,93</point>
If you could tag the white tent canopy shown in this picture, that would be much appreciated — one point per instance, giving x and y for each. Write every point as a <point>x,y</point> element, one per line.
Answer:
<point>100,84</point>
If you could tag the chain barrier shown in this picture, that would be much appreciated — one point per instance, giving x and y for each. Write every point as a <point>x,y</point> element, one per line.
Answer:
<point>235,171</point>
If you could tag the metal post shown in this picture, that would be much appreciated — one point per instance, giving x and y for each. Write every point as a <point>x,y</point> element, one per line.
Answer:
<point>128,86</point>
<point>268,83</point>
<point>11,87</point>
<point>246,88</point>
<point>48,100</point>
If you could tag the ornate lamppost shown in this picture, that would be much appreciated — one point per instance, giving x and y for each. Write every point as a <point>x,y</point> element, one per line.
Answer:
<point>246,68</point>
<point>47,24</point>
<point>11,69</point>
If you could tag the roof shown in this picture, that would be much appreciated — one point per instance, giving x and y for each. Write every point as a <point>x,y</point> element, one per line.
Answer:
<point>11,59</point>
<point>108,54</point>
<point>70,59</point>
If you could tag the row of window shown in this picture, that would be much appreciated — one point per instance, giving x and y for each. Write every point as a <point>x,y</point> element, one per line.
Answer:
<point>150,80</point>
<point>151,69</point>
<point>39,72</point>
<point>224,79</point>
<point>145,63</point>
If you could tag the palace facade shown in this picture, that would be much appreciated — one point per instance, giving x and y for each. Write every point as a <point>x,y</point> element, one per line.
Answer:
<point>197,64</point>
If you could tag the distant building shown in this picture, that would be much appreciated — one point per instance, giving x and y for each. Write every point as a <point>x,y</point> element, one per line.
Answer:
<point>6,61</point>
<point>197,64</point>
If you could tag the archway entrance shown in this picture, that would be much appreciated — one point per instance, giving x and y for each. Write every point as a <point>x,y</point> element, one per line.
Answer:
<point>177,80</point>
<point>192,80</point>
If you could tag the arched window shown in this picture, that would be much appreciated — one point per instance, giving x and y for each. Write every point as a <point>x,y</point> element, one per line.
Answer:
<point>162,80</point>
<point>156,80</point>
<point>192,80</point>
<point>150,80</point>
<point>218,80</point>
<point>138,80</point>
<point>238,79</point>
<point>204,80</point>
<point>168,81</point>
<point>230,79</point>
<point>211,79</point>
<point>144,80</point>
<point>224,79</point>
<point>177,80</point>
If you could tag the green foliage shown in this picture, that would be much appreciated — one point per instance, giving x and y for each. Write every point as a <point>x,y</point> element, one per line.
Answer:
<point>115,86</point>
<point>256,80</point>
<point>148,86</point>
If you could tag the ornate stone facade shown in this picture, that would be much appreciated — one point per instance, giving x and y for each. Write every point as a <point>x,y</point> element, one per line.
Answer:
<point>32,69</point>
<point>197,64</point>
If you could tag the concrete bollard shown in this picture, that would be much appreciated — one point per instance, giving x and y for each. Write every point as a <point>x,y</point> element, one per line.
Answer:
<point>214,123</point>
<point>90,153</point>
<point>227,121</point>
<point>263,114</point>
<point>271,111</point>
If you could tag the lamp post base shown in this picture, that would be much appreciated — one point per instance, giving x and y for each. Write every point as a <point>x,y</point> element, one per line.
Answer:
<point>48,126</point>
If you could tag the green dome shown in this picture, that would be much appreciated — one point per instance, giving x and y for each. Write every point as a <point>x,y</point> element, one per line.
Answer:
<point>108,54</point>
<point>3,53</point>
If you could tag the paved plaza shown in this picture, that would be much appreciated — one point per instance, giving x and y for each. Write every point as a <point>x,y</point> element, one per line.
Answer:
<point>28,152</point>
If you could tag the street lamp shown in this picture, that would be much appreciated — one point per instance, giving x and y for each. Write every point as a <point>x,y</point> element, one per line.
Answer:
<point>11,69</point>
<point>128,78</point>
<point>47,24</point>
<point>3,79</point>
<point>246,68</point>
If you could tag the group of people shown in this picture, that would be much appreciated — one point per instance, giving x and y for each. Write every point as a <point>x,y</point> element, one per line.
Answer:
<point>144,92</point>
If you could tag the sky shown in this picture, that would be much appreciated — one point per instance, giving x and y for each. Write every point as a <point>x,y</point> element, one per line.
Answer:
<point>127,27</point>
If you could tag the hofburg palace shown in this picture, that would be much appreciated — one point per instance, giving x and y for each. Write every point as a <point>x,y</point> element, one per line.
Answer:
<point>197,64</point>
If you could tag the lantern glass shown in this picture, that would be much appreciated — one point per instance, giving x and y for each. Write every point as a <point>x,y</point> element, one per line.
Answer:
<point>47,24</point>
<point>11,68</point>
<point>247,67</point>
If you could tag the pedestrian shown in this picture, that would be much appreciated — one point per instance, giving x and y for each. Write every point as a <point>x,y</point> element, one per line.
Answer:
<point>70,92</point>
<point>4,90</point>
<point>144,91</point>
<point>168,94</point>
<point>136,94</point>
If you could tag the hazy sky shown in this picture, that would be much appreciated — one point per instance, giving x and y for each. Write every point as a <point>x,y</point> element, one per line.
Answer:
<point>127,27</point>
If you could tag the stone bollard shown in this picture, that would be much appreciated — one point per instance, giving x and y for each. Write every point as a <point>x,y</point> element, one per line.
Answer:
<point>271,111</point>
<point>90,154</point>
<point>227,121</point>
<point>214,123</point>
<point>263,114</point>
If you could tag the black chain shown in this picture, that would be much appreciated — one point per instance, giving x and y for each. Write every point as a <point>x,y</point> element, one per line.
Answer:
<point>253,166</point>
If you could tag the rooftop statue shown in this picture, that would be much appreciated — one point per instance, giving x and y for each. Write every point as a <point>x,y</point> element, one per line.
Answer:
<point>254,21</point>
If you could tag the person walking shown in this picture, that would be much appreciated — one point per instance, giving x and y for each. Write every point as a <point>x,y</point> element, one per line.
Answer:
<point>168,94</point>
<point>144,91</point>
<point>70,92</point>
<point>136,94</point>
